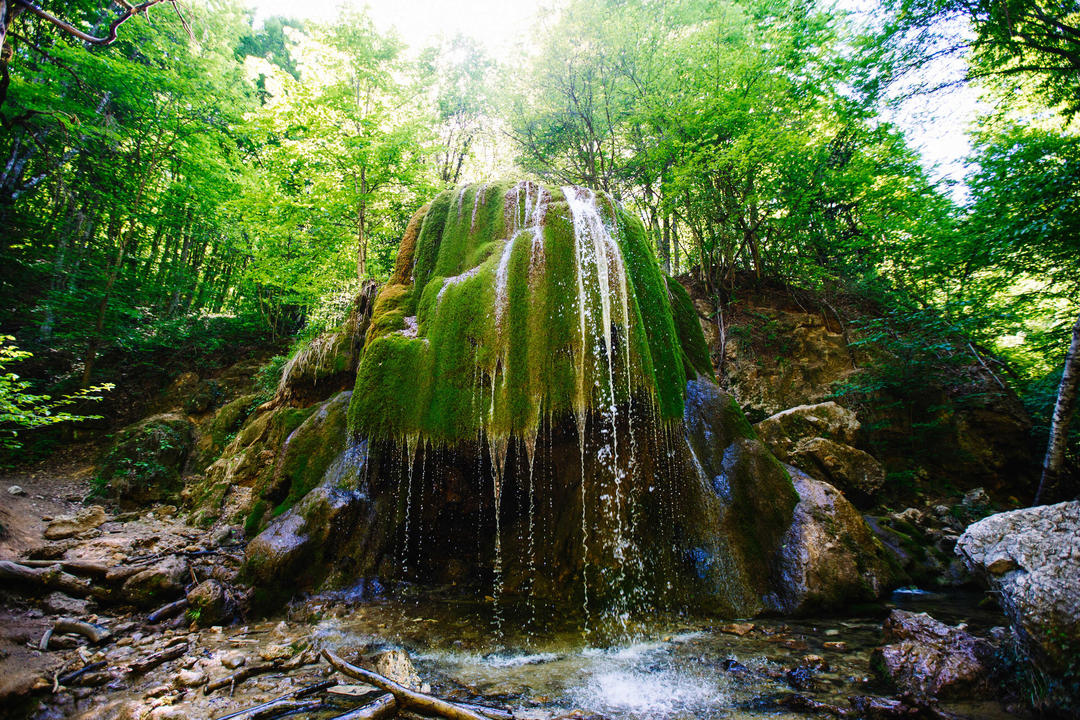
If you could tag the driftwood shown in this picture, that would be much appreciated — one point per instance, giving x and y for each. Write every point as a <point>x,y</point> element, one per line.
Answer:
<point>384,706</point>
<point>76,567</point>
<point>489,712</point>
<point>248,671</point>
<point>408,699</point>
<point>49,578</point>
<point>279,708</point>
<point>75,675</point>
<point>152,661</point>
<point>167,611</point>
<point>94,633</point>
<point>298,694</point>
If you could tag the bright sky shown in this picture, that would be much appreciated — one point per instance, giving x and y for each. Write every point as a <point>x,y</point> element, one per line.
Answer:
<point>935,126</point>
<point>496,23</point>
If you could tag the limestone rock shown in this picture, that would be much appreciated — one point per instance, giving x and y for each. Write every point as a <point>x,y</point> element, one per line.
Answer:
<point>930,659</point>
<point>1030,559</point>
<point>396,665</point>
<point>15,490</point>
<point>206,603</point>
<point>146,459</point>
<point>62,604</point>
<point>294,550</point>
<point>746,481</point>
<point>856,473</point>
<point>157,584</point>
<point>72,525</point>
<point>190,678</point>
<point>782,431</point>
<point>818,439</point>
<point>829,558</point>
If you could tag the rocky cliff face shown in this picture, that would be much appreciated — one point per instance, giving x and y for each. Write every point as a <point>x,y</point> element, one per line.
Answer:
<point>777,348</point>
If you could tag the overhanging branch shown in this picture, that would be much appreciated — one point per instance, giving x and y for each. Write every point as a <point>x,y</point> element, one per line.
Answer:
<point>129,12</point>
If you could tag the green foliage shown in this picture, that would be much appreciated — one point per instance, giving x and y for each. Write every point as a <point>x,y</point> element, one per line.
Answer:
<point>21,409</point>
<point>145,460</point>
<point>267,378</point>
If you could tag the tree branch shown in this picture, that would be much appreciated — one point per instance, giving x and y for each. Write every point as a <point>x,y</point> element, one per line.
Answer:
<point>130,12</point>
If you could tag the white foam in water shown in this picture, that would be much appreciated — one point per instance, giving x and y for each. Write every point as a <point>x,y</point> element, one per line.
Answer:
<point>648,694</point>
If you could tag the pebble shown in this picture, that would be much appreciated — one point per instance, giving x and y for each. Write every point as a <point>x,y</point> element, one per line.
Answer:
<point>190,678</point>
<point>233,660</point>
<point>16,490</point>
<point>838,645</point>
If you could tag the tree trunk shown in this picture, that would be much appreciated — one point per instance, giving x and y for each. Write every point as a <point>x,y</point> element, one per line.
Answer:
<point>8,14</point>
<point>1064,410</point>
<point>361,221</point>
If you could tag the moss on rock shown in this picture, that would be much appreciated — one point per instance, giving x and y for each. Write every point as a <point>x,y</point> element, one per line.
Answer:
<point>146,459</point>
<point>513,302</point>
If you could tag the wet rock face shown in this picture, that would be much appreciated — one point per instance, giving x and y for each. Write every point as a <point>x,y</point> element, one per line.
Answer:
<point>1030,559</point>
<point>829,556</point>
<point>746,508</point>
<point>144,464</point>
<point>298,549</point>
<point>930,659</point>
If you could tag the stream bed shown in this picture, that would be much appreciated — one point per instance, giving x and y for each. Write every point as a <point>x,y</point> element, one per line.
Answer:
<point>675,667</point>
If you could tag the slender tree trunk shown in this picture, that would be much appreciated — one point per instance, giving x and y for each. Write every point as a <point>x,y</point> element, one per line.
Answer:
<point>99,324</point>
<point>361,221</point>
<point>8,13</point>
<point>1064,410</point>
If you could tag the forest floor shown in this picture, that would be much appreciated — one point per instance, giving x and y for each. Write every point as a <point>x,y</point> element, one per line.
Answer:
<point>143,668</point>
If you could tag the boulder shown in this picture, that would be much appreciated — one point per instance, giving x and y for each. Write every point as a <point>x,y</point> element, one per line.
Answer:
<point>856,473</point>
<point>929,659</point>
<point>297,548</point>
<point>782,431</point>
<point>206,603</point>
<point>1030,560</point>
<point>829,558</point>
<point>145,461</point>
<point>71,525</point>
<point>157,584</point>
<point>747,509</point>
<point>397,666</point>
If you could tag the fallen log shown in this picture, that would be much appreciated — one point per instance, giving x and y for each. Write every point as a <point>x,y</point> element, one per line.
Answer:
<point>76,567</point>
<point>294,695</point>
<point>167,611</point>
<point>248,671</point>
<point>75,675</point>
<point>489,712</point>
<point>94,633</point>
<point>286,707</point>
<point>152,661</point>
<point>408,699</point>
<point>49,578</point>
<point>384,706</point>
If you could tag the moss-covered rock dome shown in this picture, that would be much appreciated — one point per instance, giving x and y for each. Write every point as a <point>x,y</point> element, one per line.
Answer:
<point>510,302</point>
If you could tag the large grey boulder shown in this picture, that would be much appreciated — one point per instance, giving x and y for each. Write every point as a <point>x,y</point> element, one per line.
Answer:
<point>1030,560</point>
<point>830,557</point>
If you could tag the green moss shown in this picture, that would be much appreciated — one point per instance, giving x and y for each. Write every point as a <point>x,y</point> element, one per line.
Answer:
<point>453,352</point>
<point>691,338</point>
<point>253,521</point>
